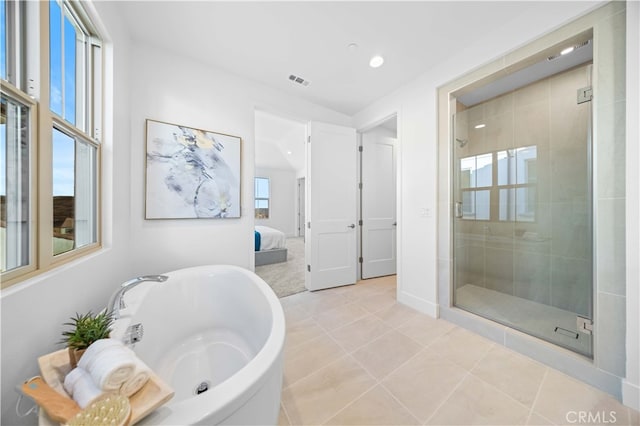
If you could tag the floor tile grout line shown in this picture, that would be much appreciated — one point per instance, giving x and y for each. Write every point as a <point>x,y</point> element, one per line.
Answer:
<point>350,403</point>
<point>444,401</point>
<point>498,390</point>
<point>400,402</point>
<point>344,325</point>
<point>422,349</point>
<point>535,399</point>
<point>310,339</point>
<point>319,368</point>
<point>468,373</point>
<point>362,345</point>
<point>284,409</point>
<point>325,367</point>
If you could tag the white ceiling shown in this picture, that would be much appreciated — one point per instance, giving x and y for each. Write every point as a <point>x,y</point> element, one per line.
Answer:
<point>268,41</point>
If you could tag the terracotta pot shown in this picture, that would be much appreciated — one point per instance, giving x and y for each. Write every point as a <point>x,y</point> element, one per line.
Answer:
<point>74,356</point>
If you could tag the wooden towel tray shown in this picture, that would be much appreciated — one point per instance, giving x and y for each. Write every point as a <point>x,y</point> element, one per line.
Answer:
<point>55,366</point>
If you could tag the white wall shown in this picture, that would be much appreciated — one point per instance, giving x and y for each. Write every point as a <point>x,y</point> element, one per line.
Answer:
<point>282,203</point>
<point>33,311</point>
<point>174,89</point>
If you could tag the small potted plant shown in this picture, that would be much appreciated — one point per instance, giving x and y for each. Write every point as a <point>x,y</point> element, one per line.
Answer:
<point>86,329</point>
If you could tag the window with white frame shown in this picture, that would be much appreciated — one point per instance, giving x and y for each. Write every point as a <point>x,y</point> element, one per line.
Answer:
<point>51,75</point>
<point>262,194</point>
<point>500,185</point>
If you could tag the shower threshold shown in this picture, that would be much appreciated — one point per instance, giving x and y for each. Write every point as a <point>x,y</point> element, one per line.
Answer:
<point>537,319</point>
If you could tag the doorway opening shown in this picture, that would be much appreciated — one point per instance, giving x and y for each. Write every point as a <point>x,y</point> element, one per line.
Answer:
<point>378,200</point>
<point>280,167</point>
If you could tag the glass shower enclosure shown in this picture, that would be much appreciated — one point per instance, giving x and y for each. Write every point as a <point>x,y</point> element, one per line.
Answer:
<point>522,225</point>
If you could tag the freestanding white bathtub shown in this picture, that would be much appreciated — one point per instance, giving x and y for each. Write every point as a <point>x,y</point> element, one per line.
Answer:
<point>215,334</point>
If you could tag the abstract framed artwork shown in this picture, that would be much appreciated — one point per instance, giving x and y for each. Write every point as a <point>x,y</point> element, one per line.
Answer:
<point>191,173</point>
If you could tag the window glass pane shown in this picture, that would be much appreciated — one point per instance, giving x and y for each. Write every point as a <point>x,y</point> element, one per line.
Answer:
<point>468,205</point>
<point>483,205</point>
<point>63,192</point>
<point>14,184</point>
<point>507,203</point>
<point>526,164</point>
<point>55,57</point>
<point>526,204</point>
<point>262,188</point>
<point>484,170</point>
<point>467,172</point>
<point>476,171</point>
<point>69,71</point>
<point>506,167</point>
<point>3,39</point>
<point>86,194</point>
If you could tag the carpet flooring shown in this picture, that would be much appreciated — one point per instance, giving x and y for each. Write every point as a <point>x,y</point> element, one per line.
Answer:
<point>286,278</point>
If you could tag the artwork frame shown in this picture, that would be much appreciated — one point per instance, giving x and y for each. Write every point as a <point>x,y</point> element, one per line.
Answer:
<point>191,173</point>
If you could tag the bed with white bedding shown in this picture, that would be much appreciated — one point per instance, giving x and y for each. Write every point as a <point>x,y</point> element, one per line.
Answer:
<point>270,246</point>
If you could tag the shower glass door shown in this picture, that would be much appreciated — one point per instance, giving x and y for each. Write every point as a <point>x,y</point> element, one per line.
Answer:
<point>522,218</point>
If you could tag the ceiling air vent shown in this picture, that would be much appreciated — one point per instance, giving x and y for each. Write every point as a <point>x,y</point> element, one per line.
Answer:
<point>299,80</point>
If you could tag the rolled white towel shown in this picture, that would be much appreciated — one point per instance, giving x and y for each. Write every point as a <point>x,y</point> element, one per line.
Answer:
<point>109,364</point>
<point>80,385</point>
<point>71,379</point>
<point>139,378</point>
<point>91,354</point>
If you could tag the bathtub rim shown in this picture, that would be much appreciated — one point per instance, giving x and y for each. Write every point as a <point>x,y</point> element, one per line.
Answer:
<point>224,399</point>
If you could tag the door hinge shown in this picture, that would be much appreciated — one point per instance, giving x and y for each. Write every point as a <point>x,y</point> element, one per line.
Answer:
<point>308,139</point>
<point>360,148</point>
<point>360,185</point>
<point>584,325</point>
<point>585,94</point>
<point>360,260</point>
<point>309,225</point>
<point>309,268</point>
<point>360,222</point>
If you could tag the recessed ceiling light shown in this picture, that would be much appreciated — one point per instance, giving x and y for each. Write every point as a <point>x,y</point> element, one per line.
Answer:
<point>480,126</point>
<point>567,50</point>
<point>289,152</point>
<point>376,61</point>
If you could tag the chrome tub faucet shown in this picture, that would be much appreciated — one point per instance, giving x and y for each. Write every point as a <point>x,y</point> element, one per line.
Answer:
<point>117,299</point>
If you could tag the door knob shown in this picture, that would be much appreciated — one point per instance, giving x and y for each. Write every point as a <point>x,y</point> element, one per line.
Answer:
<point>351,226</point>
<point>394,224</point>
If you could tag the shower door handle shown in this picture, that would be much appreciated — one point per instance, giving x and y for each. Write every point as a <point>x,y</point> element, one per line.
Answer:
<point>458,209</point>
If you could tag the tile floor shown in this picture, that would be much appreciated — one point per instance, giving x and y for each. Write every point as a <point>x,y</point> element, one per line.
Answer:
<point>354,356</point>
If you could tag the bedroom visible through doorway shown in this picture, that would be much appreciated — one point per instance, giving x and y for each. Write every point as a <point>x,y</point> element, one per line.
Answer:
<point>279,168</point>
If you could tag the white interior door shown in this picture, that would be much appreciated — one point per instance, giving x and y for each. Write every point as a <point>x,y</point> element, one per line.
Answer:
<point>330,246</point>
<point>301,206</point>
<point>378,205</point>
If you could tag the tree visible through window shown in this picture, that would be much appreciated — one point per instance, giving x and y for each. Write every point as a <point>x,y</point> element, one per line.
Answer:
<point>262,197</point>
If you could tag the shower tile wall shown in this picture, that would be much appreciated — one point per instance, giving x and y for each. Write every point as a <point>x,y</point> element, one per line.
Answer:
<point>546,260</point>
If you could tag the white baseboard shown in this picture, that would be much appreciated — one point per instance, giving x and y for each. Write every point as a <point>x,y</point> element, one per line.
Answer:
<point>418,304</point>
<point>631,395</point>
